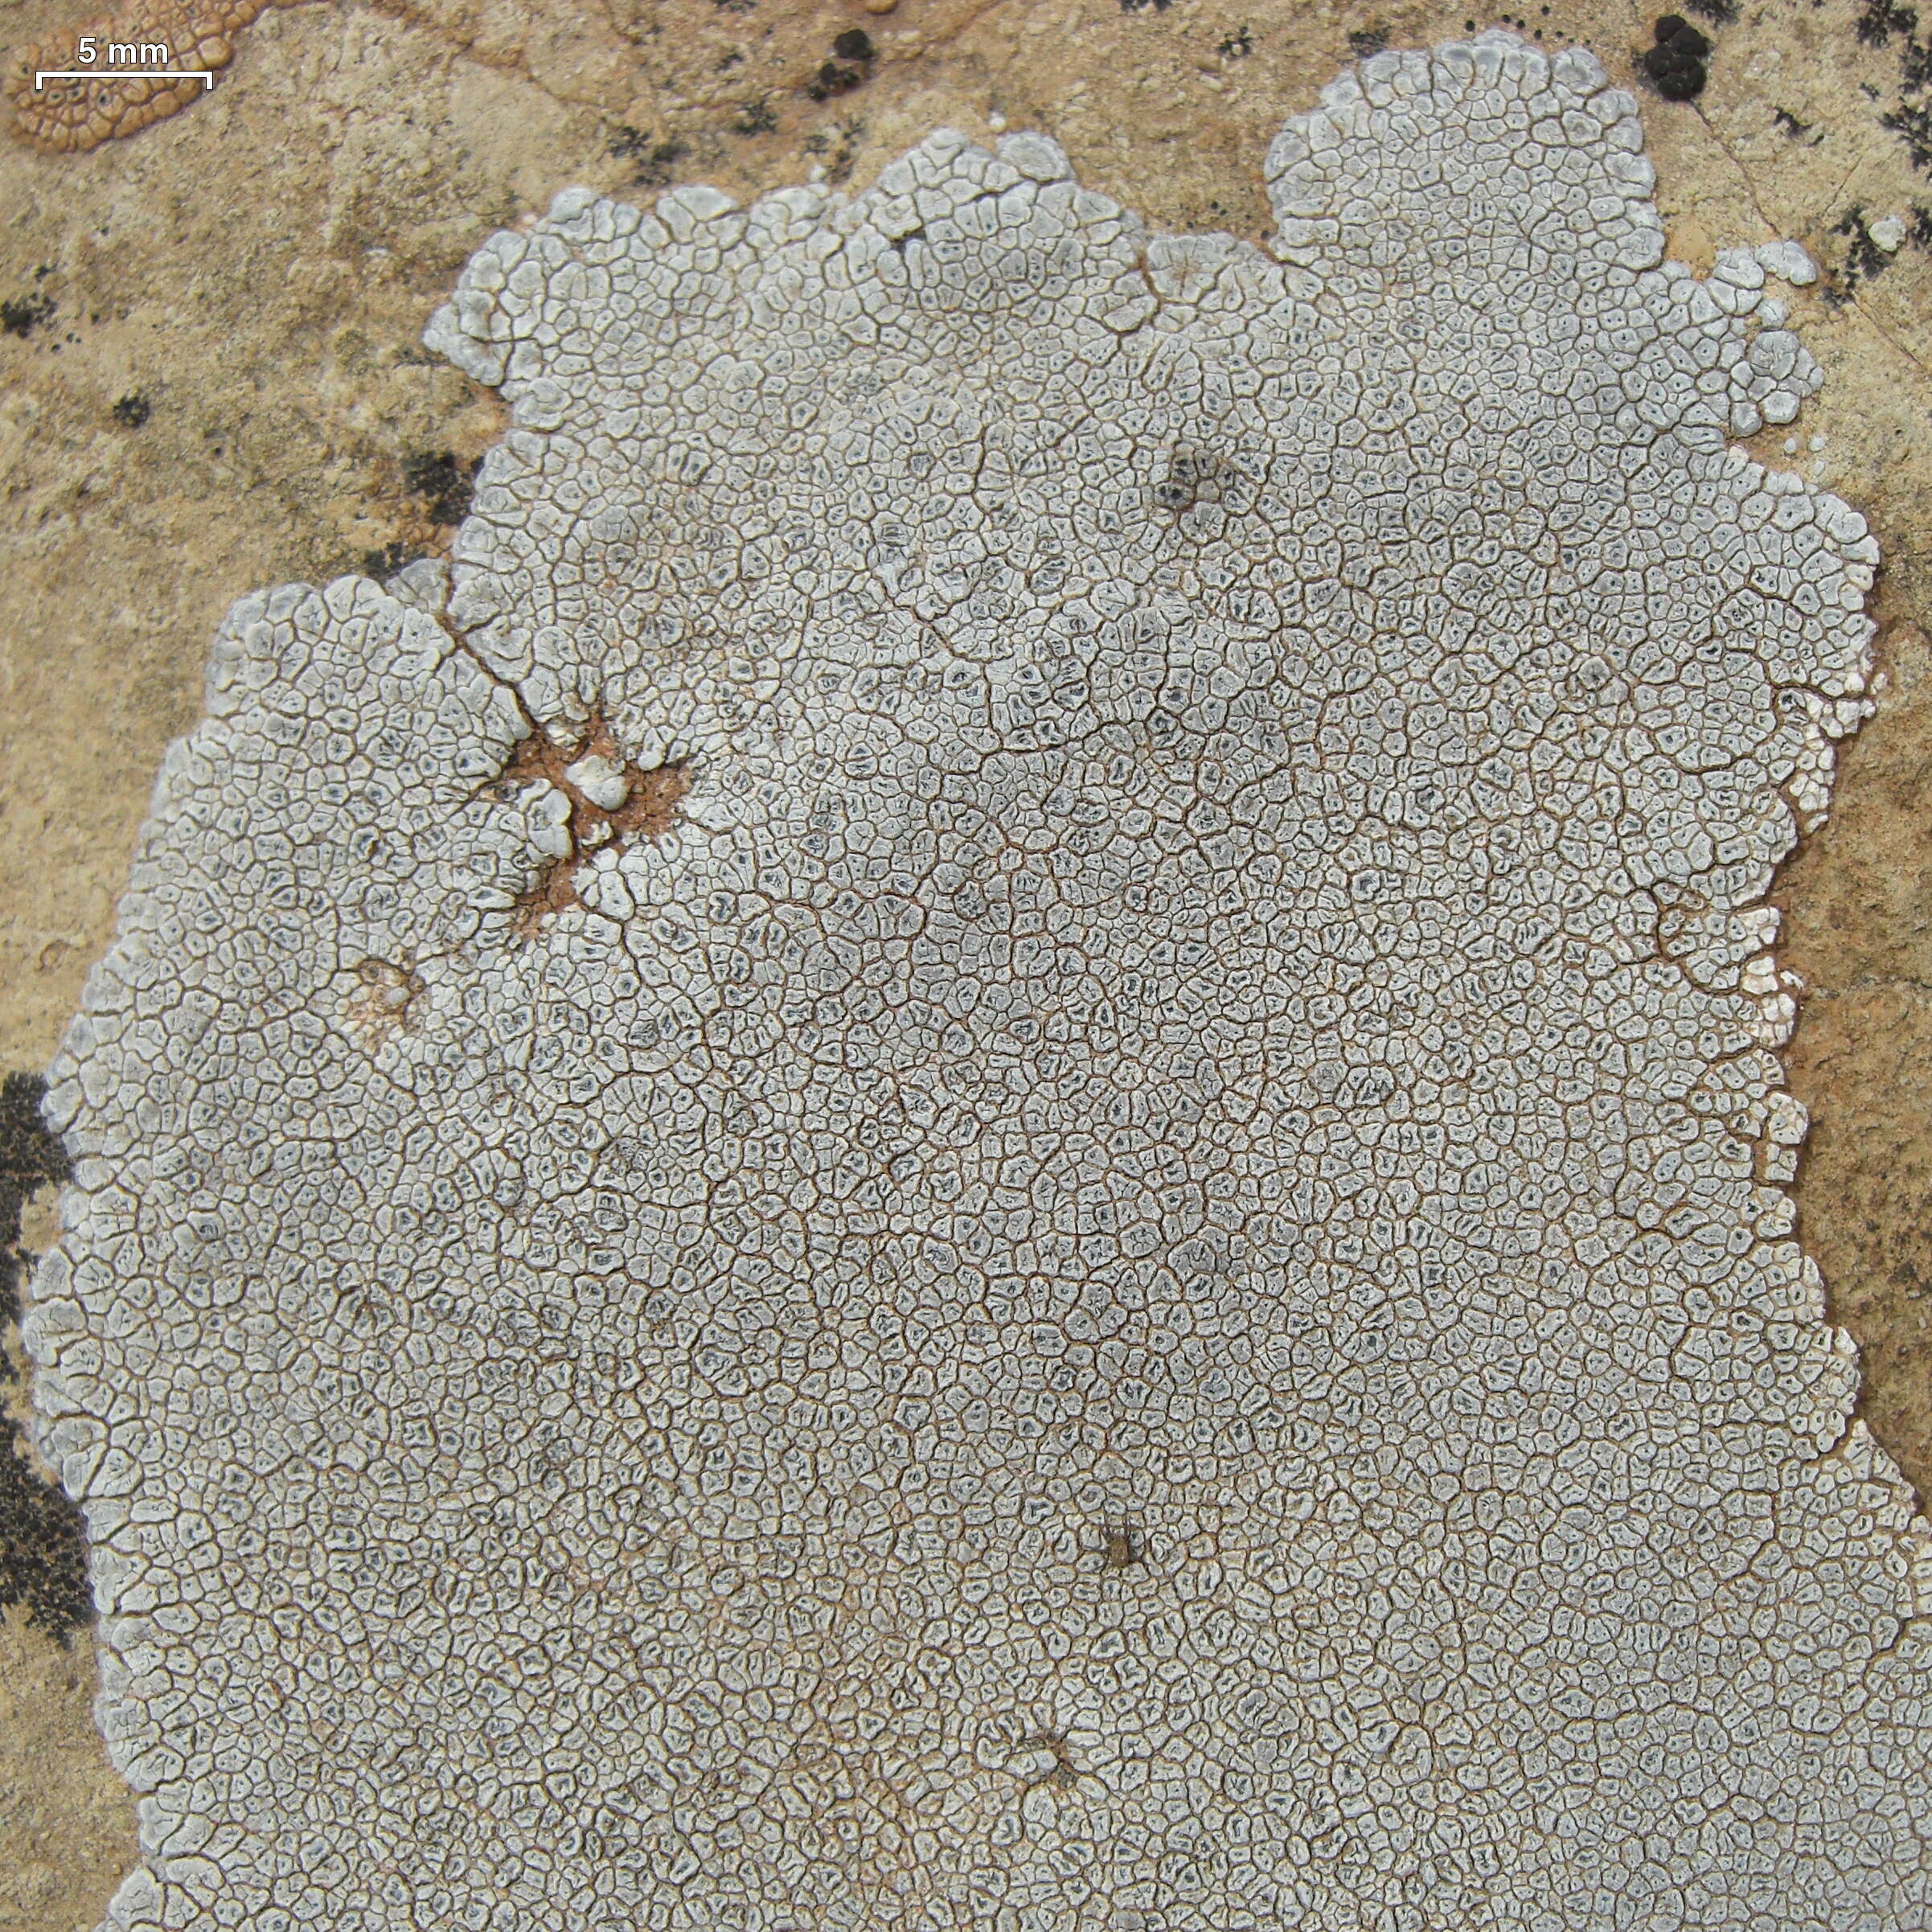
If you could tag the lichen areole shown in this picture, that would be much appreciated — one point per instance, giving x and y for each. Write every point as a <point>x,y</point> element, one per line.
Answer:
<point>1132,1271</point>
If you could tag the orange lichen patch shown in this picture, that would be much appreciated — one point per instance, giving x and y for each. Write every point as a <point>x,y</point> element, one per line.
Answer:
<point>70,117</point>
<point>648,810</point>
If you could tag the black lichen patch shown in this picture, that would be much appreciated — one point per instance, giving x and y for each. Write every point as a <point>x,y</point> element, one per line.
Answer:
<point>1720,13</point>
<point>838,151</point>
<point>832,78</point>
<point>1911,119</point>
<point>42,1536</point>
<point>22,314</point>
<point>131,410</point>
<point>390,558</point>
<point>1883,18</point>
<point>1674,67</point>
<point>754,117</point>
<point>852,56</point>
<point>1365,42</point>
<point>656,159</point>
<point>444,485</point>
<point>1864,261</point>
<point>1913,125</point>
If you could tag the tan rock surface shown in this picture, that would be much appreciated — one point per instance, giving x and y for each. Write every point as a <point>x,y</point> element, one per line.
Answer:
<point>210,380</point>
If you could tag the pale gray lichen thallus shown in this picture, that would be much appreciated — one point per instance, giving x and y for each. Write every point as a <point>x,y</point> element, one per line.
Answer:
<point>1126,1271</point>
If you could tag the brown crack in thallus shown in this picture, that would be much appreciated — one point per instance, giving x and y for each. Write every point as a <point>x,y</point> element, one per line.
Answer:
<point>648,810</point>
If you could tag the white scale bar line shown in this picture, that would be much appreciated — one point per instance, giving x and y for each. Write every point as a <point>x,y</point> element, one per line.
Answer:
<point>43,75</point>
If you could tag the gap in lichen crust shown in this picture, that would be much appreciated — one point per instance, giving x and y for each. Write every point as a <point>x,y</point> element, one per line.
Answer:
<point>605,799</point>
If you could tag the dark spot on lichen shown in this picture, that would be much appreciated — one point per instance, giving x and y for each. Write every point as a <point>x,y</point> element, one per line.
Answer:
<point>381,995</point>
<point>1123,1548</point>
<point>1674,67</point>
<point>42,1534</point>
<point>131,410</point>
<point>1065,1773</point>
<point>444,484</point>
<point>22,314</point>
<point>649,811</point>
<point>1195,476</point>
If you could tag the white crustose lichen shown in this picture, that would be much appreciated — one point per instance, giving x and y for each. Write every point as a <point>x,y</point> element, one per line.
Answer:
<point>994,1141</point>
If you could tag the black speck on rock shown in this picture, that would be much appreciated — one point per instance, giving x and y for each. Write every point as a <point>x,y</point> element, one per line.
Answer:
<point>22,314</point>
<point>1674,67</point>
<point>854,44</point>
<point>444,485</point>
<point>42,1536</point>
<point>1367,42</point>
<point>131,410</point>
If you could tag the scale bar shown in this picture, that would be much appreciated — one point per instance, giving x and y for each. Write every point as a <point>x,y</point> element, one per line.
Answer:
<point>43,75</point>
